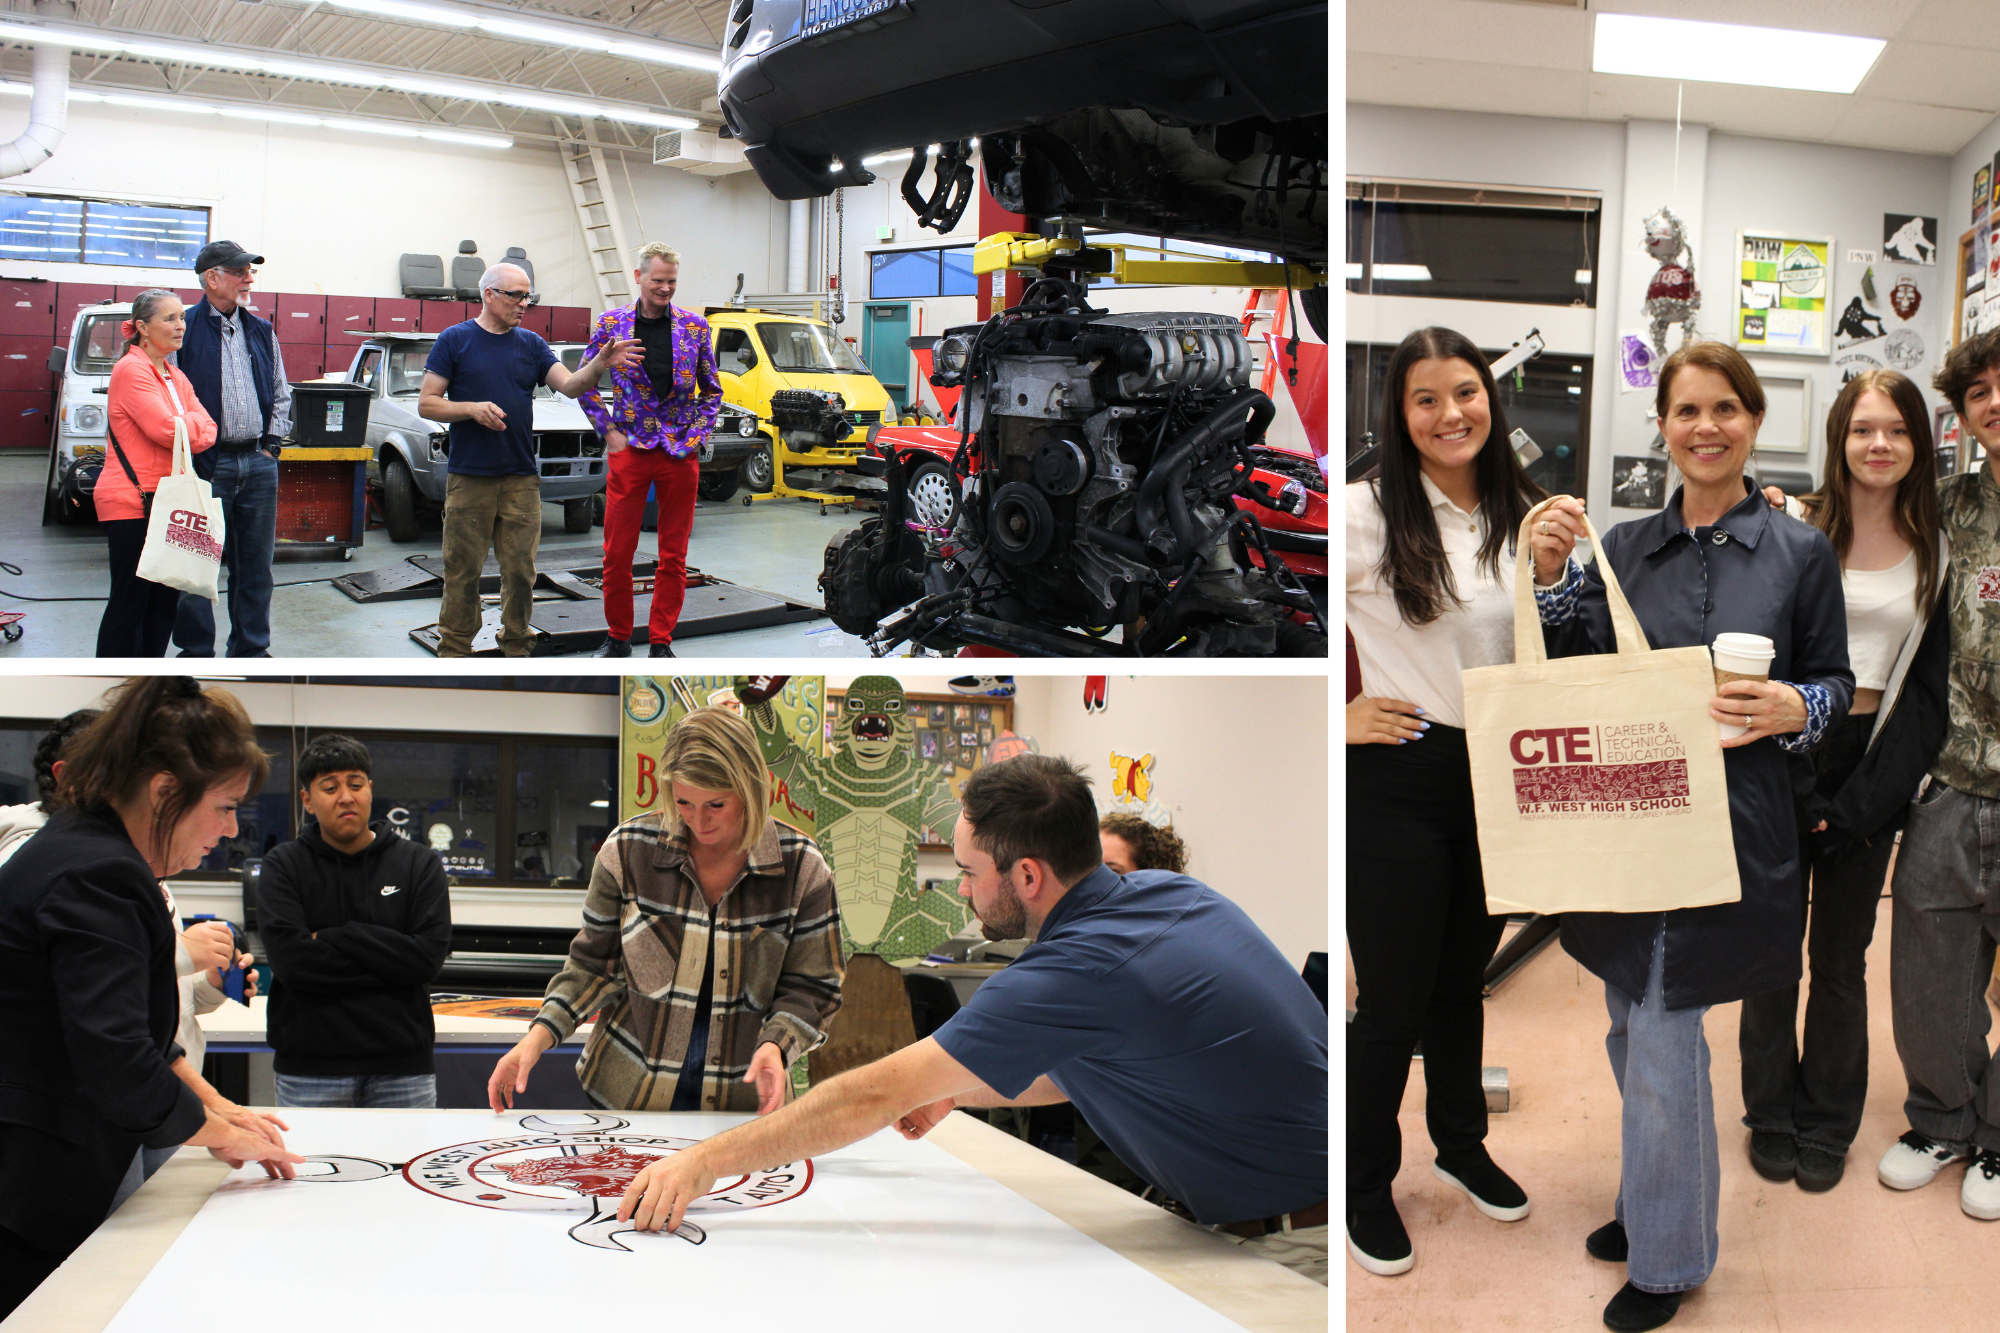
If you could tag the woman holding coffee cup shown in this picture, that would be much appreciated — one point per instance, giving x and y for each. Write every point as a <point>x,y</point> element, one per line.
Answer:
<point>1717,560</point>
<point>1878,506</point>
<point>1430,580</point>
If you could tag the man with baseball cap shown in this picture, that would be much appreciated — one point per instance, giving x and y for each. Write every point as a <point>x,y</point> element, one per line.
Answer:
<point>236,366</point>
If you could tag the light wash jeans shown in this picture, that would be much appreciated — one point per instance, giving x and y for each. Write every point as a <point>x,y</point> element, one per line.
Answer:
<point>247,485</point>
<point>1670,1178</point>
<point>364,1090</point>
<point>1941,943</point>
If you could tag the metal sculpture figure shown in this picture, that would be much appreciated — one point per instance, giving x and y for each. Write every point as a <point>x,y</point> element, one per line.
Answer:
<point>1671,297</point>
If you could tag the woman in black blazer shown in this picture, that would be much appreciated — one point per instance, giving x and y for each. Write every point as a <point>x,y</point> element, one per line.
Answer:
<point>89,1070</point>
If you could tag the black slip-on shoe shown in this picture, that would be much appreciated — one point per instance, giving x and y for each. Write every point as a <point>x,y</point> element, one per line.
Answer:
<point>1492,1191</point>
<point>1635,1311</point>
<point>1775,1156</point>
<point>1608,1243</point>
<point>1819,1169</point>
<point>660,650</point>
<point>614,648</point>
<point>1378,1243</point>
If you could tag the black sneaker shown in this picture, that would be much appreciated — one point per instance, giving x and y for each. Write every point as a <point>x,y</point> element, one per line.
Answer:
<point>1377,1241</point>
<point>1492,1191</point>
<point>1775,1155</point>
<point>1608,1243</point>
<point>614,648</point>
<point>1819,1170</point>
<point>1635,1311</point>
<point>660,650</point>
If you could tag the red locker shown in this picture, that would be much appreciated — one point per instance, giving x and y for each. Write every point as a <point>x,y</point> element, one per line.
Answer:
<point>536,320</point>
<point>74,296</point>
<point>345,313</point>
<point>300,318</point>
<point>338,357</point>
<point>25,418</point>
<point>437,316</point>
<point>27,308</point>
<point>24,364</point>
<point>189,295</point>
<point>570,323</point>
<point>396,314</point>
<point>303,361</point>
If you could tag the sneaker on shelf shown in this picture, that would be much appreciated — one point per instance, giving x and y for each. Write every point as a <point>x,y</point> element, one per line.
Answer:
<point>1775,1156</point>
<point>992,687</point>
<point>1377,1241</point>
<point>1979,1196</point>
<point>1820,1169</point>
<point>1492,1191</point>
<point>1914,1160</point>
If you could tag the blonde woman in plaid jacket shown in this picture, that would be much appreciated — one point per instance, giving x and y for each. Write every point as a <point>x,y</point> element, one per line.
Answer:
<point>710,948</point>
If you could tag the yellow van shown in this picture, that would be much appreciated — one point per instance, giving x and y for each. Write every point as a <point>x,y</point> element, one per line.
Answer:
<point>759,353</point>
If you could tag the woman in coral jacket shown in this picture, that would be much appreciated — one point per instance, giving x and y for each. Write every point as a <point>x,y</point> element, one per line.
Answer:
<point>147,395</point>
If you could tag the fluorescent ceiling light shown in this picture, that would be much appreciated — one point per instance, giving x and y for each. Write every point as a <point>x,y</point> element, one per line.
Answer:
<point>182,106</point>
<point>603,40</point>
<point>348,75</point>
<point>1393,273</point>
<point>1820,62</point>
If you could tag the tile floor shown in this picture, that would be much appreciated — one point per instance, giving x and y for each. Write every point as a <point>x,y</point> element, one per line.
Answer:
<point>1860,1257</point>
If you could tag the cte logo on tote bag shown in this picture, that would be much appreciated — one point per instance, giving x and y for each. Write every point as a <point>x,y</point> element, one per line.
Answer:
<point>1571,772</point>
<point>1597,780</point>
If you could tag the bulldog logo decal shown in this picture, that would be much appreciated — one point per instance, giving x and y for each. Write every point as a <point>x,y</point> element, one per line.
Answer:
<point>565,1168</point>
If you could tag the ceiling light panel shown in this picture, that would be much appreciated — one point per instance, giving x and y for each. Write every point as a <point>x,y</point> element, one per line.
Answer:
<point>604,40</point>
<point>186,107</point>
<point>1660,48</point>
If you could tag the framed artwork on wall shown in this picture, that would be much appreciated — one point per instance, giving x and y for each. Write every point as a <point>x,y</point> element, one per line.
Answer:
<point>1782,288</point>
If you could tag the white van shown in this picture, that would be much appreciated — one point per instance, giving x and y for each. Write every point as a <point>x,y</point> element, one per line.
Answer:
<point>78,450</point>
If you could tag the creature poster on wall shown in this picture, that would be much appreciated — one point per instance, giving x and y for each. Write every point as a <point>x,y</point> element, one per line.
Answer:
<point>1888,317</point>
<point>1908,239</point>
<point>1781,293</point>
<point>652,704</point>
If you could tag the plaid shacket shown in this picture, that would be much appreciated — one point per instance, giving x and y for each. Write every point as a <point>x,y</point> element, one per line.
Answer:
<point>645,947</point>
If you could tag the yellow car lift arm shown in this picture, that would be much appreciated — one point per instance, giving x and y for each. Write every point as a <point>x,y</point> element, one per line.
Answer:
<point>1007,250</point>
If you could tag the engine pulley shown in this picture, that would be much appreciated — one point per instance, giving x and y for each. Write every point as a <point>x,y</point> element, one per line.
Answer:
<point>1022,525</point>
<point>1062,466</point>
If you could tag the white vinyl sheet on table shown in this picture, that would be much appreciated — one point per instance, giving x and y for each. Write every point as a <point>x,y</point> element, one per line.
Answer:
<point>456,1241</point>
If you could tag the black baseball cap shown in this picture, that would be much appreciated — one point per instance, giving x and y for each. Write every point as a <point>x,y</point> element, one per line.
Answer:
<point>224,254</point>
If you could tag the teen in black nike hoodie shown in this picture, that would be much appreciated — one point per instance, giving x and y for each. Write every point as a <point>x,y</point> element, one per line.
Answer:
<point>354,941</point>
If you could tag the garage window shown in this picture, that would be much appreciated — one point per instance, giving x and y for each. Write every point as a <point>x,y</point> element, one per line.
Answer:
<point>100,231</point>
<point>901,274</point>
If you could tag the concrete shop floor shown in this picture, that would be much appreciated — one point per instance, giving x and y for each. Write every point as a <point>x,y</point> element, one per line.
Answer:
<point>775,546</point>
<point>1860,1257</point>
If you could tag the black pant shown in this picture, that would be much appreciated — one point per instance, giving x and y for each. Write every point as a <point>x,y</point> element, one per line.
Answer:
<point>1421,938</point>
<point>139,614</point>
<point>22,1268</point>
<point>1818,1094</point>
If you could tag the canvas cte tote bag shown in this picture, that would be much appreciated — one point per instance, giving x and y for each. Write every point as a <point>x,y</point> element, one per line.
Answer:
<point>1597,780</point>
<point>183,547</point>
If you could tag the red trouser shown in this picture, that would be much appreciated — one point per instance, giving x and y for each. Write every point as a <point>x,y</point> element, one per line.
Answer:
<point>631,471</point>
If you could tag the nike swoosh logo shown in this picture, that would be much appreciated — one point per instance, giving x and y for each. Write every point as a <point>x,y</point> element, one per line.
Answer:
<point>388,889</point>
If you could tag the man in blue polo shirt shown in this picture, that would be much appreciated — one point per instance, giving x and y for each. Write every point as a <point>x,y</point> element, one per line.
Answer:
<point>481,377</point>
<point>1149,1000</point>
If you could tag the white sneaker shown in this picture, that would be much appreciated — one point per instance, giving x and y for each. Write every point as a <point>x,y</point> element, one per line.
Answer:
<point>1979,1196</point>
<point>1914,1160</point>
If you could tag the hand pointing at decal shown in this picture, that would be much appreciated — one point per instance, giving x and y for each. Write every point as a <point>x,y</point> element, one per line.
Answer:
<point>511,1074</point>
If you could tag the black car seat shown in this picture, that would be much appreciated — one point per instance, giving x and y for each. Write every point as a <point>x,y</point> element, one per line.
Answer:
<point>466,271</point>
<point>422,276</point>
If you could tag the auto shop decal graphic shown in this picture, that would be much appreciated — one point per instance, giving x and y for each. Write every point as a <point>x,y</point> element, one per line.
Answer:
<point>583,1166</point>
<point>1637,769</point>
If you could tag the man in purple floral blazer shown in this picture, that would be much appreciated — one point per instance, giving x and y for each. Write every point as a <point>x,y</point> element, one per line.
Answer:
<point>660,413</point>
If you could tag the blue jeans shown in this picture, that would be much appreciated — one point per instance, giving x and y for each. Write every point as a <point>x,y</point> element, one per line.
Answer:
<point>1670,1178</point>
<point>362,1090</point>
<point>247,485</point>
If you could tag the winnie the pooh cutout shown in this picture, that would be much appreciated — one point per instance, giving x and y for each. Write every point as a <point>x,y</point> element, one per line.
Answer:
<point>1132,789</point>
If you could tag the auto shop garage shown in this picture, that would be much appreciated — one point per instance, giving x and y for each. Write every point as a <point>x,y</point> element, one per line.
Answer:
<point>1119,451</point>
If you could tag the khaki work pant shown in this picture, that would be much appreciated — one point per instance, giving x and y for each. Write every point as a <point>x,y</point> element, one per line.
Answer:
<point>505,514</point>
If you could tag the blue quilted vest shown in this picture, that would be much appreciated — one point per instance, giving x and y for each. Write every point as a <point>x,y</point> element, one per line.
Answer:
<point>200,357</point>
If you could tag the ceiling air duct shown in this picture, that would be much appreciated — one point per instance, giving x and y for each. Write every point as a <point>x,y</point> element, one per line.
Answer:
<point>48,107</point>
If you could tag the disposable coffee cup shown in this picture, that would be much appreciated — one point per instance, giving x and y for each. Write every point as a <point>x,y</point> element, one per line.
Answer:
<point>1740,657</point>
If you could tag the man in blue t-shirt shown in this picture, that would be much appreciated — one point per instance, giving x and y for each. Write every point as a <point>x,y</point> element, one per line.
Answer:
<point>481,378</point>
<point>1148,1000</point>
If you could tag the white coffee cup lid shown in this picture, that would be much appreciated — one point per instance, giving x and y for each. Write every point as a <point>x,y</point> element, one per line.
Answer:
<point>1745,645</point>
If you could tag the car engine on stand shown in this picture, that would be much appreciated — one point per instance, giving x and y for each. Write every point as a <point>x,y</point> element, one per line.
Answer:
<point>1099,457</point>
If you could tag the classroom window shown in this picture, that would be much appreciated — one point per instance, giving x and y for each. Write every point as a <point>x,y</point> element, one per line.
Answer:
<point>1466,244</point>
<point>100,231</point>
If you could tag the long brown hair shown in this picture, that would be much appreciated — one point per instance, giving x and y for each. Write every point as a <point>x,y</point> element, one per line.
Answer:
<point>1413,558</point>
<point>1831,509</point>
<point>161,724</point>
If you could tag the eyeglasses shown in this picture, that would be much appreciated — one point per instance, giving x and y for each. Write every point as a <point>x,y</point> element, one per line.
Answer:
<point>512,296</point>
<point>247,271</point>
